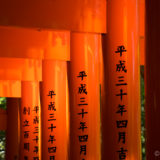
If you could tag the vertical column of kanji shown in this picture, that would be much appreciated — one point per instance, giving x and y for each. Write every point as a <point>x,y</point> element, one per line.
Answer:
<point>84,97</point>
<point>54,131</point>
<point>121,115</point>
<point>152,80</point>
<point>30,147</point>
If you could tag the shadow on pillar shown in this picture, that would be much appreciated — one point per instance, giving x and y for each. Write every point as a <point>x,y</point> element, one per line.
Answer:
<point>12,132</point>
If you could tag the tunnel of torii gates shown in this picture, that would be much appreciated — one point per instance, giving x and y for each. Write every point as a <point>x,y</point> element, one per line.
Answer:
<point>70,71</point>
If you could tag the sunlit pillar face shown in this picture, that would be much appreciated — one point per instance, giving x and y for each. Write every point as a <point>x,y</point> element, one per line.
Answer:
<point>30,140</point>
<point>84,97</point>
<point>54,120</point>
<point>121,112</point>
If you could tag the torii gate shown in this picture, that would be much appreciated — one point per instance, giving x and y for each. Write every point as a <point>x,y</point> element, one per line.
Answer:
<point>36,41</point>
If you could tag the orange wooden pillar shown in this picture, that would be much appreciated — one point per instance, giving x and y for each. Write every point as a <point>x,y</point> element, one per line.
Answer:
<point>121,135</point>
<point>12,71</point>
<point>30,138</point>
<point>12,132</point>
<point>152,80</point>
<point>141,6</point>
<point>53,97</point>
<point>54,131</point>
<point>84,97</point>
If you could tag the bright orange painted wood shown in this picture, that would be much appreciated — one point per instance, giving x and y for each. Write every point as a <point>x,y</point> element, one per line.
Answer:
<point>10,88</point>
<point>141,13</point>
<point>141,6</point>
<point>152,80</point>
<point>85,138</point>
<point>72,15</point>
<point>12,132</point>
<point>142,50</point>
<point>35,44</point>
<point>121,134</point>
<point>30,126</point>
<point>20,69</point>
<point>54,110</point>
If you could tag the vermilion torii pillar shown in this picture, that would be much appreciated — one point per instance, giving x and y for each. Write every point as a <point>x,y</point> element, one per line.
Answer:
<point>85,138</point>
<point>54,97</point>
<point>54,107</point>
<point>30,128</point>
<point>121,113</point>
<point>152,80</point>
